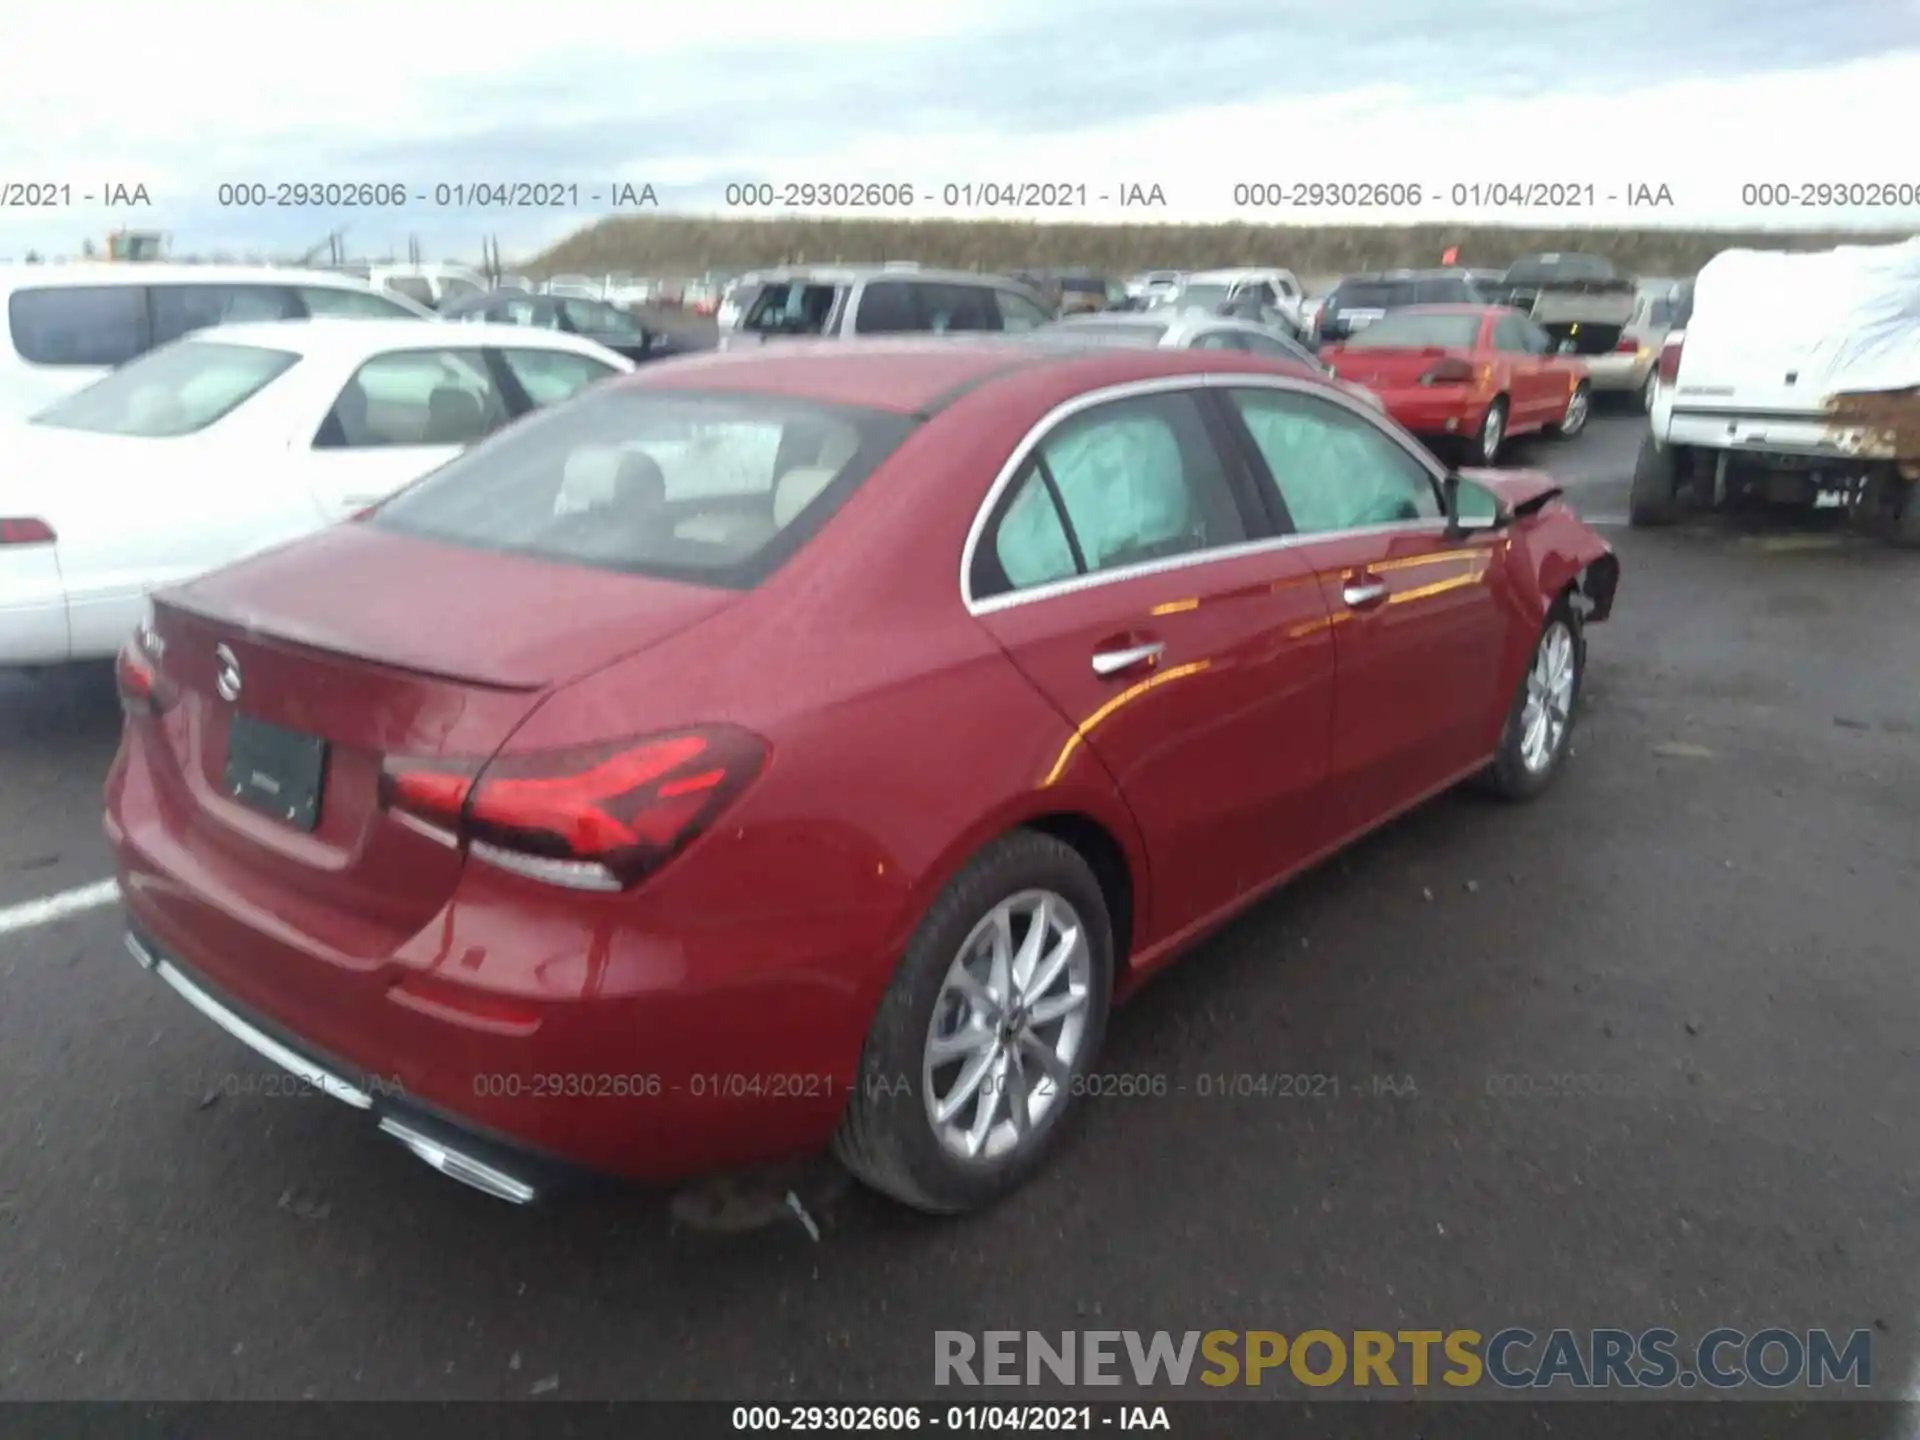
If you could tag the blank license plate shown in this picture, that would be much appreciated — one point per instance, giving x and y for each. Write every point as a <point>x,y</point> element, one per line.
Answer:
<point>276,771</point>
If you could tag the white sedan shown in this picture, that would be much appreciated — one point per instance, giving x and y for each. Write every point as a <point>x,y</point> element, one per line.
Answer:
<point>236,439</point>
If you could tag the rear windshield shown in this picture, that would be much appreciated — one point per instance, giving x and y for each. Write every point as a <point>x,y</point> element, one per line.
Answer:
<point>80,324</point>
<point>1368,295</point>
<point>1412,330</point>
<point>176,390</point>
<point>678,485</point>
<point>792,307</point>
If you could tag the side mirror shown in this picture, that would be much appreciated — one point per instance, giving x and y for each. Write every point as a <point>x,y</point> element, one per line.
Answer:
<point>1472,508</point>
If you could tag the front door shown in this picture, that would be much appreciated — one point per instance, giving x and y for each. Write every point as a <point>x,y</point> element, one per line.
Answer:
<point>1123,572</point>
<point>1416,616</point>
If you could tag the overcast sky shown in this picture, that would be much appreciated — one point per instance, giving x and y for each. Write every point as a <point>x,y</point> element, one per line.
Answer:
<point>1194,96</point>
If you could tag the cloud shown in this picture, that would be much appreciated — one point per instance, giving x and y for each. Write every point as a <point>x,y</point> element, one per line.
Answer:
<point>1704,98</point>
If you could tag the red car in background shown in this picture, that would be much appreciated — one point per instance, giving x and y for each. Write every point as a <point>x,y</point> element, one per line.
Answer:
<point>1472,374</point>
<point>795,747</point>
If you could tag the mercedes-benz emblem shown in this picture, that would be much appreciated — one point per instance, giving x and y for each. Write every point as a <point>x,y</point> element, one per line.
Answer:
<point>226,674</point>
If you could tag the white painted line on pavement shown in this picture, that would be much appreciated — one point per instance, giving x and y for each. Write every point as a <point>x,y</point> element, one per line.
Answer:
<point>49,908</point>
<point>1607,522</point>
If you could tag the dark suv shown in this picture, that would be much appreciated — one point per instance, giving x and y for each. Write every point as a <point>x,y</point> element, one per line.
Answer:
<point>1359,300</point>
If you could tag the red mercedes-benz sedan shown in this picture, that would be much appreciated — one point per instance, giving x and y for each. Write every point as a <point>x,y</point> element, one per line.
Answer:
<point>1472,374</point>
<point>804,747</point>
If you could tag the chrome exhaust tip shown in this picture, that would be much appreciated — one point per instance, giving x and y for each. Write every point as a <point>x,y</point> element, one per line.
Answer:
<point>457,1166</point>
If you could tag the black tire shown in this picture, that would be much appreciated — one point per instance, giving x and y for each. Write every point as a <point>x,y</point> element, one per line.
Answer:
<point>1655,497</point>
<point>1651,384</point>
<point>886,1138</point>
<point>1904,531</point>
<point>1478,451</point>
<point>1583,392</point>
<point>1509,777</point>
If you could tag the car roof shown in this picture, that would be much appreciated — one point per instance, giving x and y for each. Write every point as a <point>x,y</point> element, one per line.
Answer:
<point>338,337</point>
<point>848,274</point>
<point>917,376</point>
<point>21,276</point>
<point>1456,308</point>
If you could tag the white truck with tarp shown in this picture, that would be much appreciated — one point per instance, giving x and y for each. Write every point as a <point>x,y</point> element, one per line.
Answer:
<point>1794,381</point>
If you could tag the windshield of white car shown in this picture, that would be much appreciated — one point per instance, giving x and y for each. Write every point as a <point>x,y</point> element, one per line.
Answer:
<point>1415,330</point>
<point>688,486</point>
<point>1204,297</point>
<point>176,390</point>
<point>1126,334</point>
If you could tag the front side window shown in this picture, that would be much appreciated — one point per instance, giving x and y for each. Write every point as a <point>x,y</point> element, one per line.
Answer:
<point>1333,469</point>
<point>792,307</point>
<point>1125,483</point>
<point>181,309</point>
<point>550,376</point>
<point>176,390</point>
<point>704,488</point>
<point>1018,313</point>
<point>415,397</point>
<point>954,309</point>
<point>102,325</point>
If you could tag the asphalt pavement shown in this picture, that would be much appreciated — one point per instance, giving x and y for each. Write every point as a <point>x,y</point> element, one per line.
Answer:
<point>1708,922</point>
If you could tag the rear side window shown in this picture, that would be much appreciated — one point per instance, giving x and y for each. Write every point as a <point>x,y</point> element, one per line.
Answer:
<point>414,287</point>
<point>415,397</point>
<point>80,324</point>
<point>327,300</point>
<point>886,308</point>
<point>792,307</point>
<point>684,486</point>
<point>179,310</point>
<point>176,390</point>
<point>550,376</point>
<point>1125,483</point>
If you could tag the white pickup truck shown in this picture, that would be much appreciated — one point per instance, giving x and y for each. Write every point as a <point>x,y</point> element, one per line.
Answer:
<point>1755,393</point>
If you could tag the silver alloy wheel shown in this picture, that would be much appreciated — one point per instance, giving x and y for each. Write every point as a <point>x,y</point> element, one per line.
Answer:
<point>1549,704</point>
<point>1576,417</point>
<point>1493,430</point>
<point>1008,1026</point>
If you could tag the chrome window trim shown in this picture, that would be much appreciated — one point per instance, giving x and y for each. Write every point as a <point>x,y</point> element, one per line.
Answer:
<point>1162,385</point>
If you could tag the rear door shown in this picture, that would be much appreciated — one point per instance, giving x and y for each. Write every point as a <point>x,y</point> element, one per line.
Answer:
<point>1418,619</point>
<point>952,308</point>
<point>399,415</point>
<point>1117,571</point>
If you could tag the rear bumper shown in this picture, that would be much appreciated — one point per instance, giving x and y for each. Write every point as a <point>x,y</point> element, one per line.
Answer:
<point>1761,435</point>
<point>1428,411</point>
<point>1619,372</point>
<point>33,607</point>
<point>490,1163</point>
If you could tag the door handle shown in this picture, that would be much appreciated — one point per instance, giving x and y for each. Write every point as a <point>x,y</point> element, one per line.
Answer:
<point>1364,594</point>
<point>1112,662</point>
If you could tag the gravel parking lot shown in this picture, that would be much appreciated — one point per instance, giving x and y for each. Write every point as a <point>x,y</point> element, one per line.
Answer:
<point>1708,922</point>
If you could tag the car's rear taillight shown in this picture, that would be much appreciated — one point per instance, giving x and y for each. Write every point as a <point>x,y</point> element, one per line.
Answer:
<point>1451,371</point>
<point>26,530</point>
<point>1627,346</point>
<point>599,818</point>
<point>1669,366</point>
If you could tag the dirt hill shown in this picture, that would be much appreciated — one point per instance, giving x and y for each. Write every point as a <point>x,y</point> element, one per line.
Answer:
<point>692,245</point>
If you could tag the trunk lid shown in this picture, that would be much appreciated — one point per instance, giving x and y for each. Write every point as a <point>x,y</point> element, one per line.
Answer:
<point>496,620</point>
<point>350,648</point>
